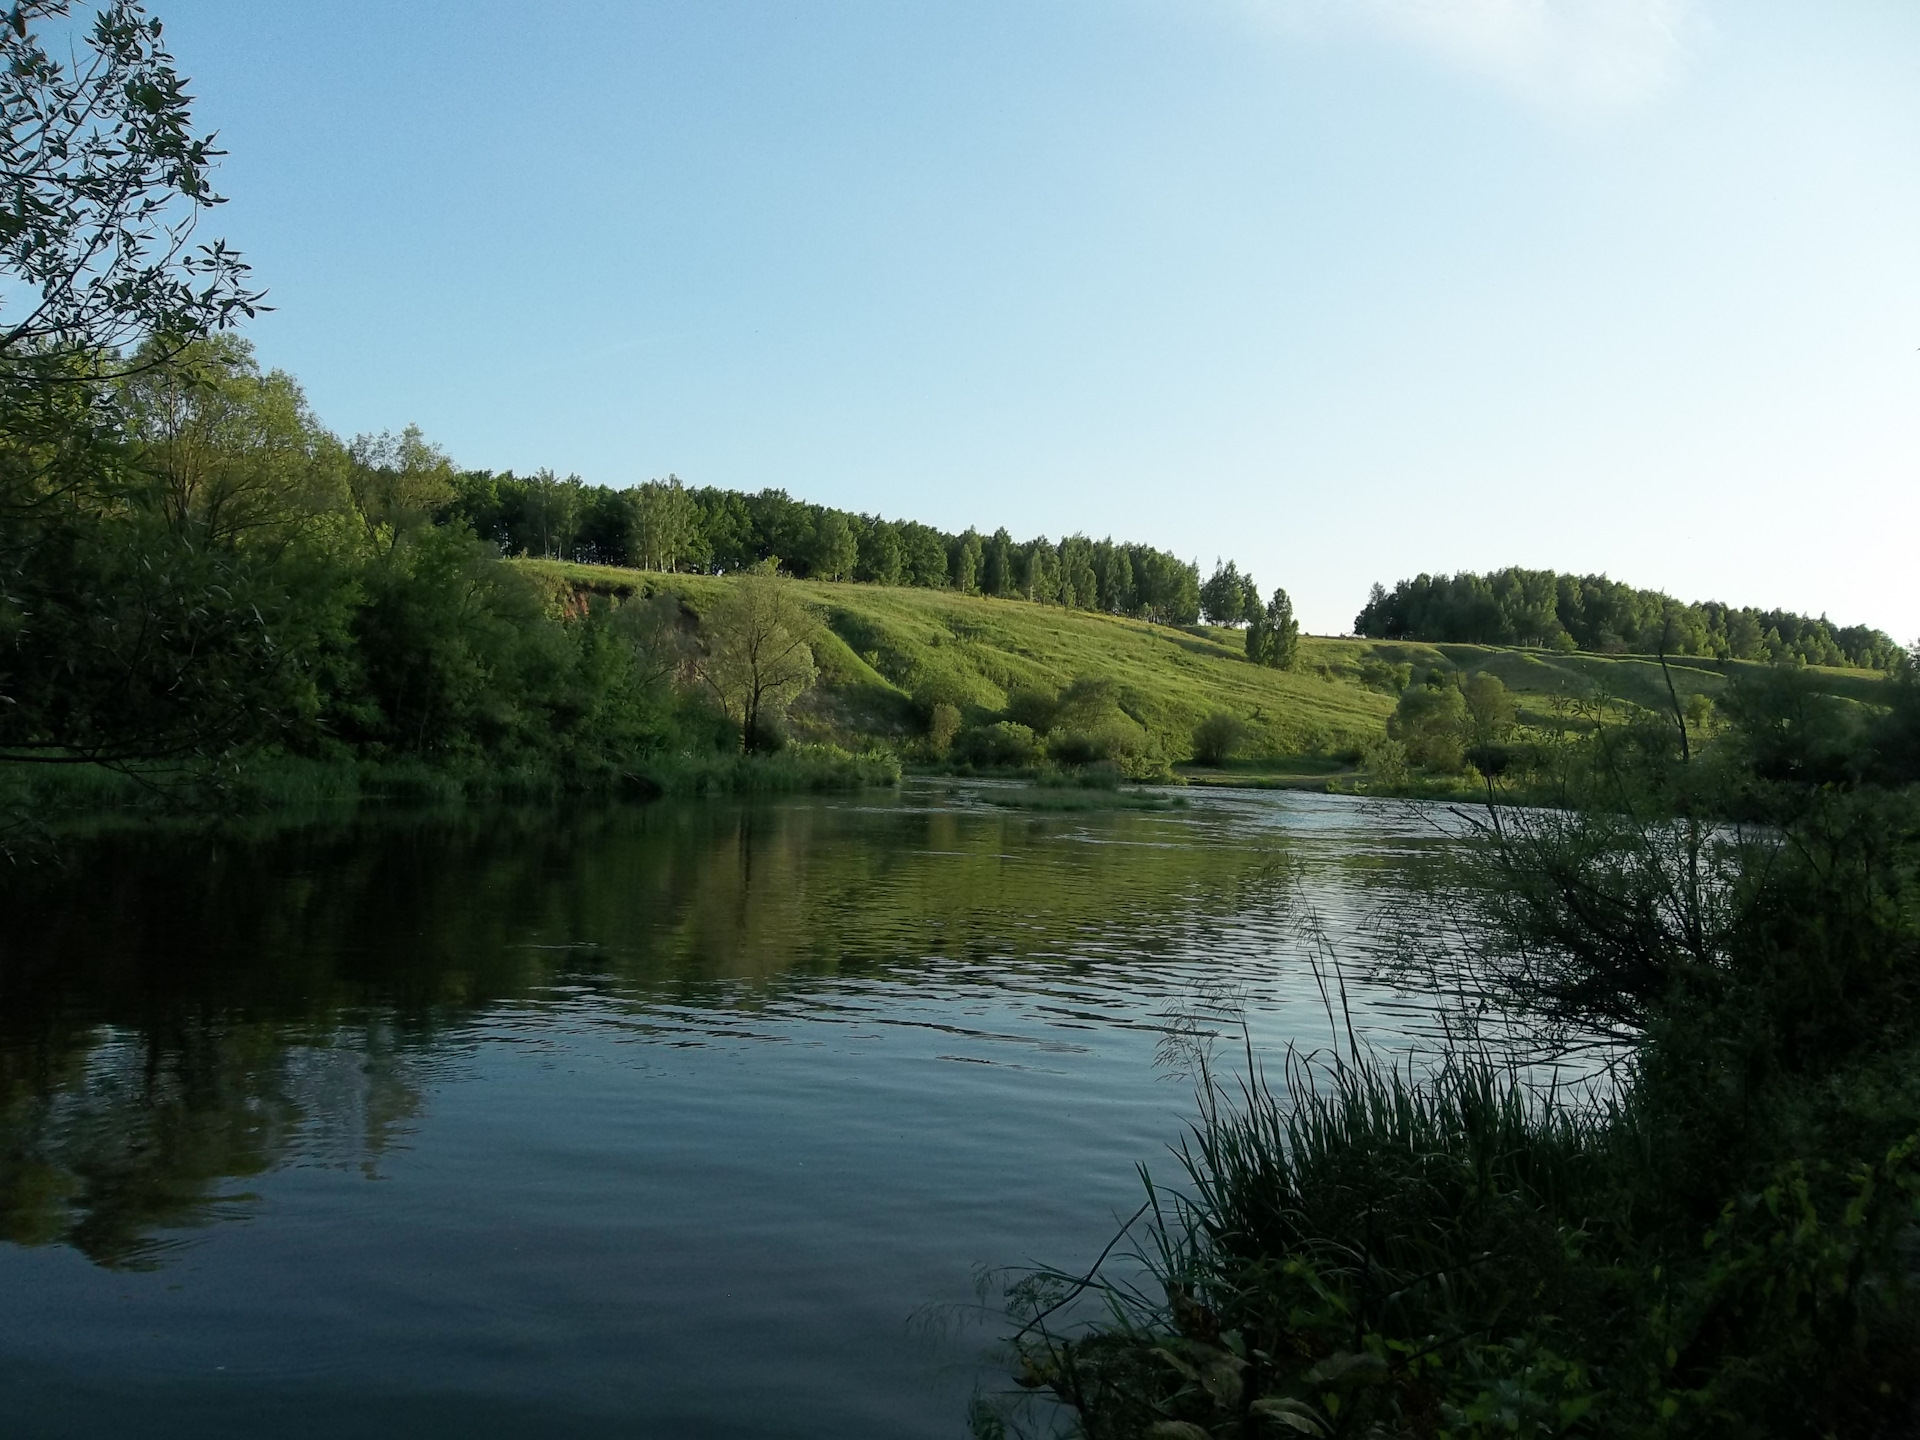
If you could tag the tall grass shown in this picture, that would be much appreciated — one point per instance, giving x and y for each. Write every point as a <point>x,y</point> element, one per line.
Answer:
<point>1371,1251</point>
<point>1725,1242</point>
<point>1333,1246</point>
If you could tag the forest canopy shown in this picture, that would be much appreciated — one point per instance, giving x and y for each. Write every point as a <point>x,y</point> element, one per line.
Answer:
<point>666,525</point>
<point>1591,612</point>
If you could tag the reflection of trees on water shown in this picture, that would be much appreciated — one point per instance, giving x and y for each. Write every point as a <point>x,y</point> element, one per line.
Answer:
<point>179,1015</point>
<point>108,1136</point>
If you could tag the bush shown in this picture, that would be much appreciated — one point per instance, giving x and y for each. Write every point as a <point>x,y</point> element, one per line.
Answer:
<point>1385,761</point>
<point>1431,722</point>
<point>1379,675</point>
<point>1375,1252</point>
<point>1003,744</point>
<point>942,726</point>
<point>1034,709</point>
<point>1217,738</point>
<point>1074,747</point>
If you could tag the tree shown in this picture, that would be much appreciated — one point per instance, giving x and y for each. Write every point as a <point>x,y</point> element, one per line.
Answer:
<point>122,638</point>
<point>1431,721</point>
<point>1223,597</point>
<point>1490,720</point>
<point>725,523</point>
<point>923,555</point>
<point>942,725</point>
<point>122,642</point>
<point>1040,580</point>
<point>555,508</point>
<point>105,183</point>
<point>1249,598</point>
<point>1116,578</point>
<point>1259,639</point>
<point>758,660</point>
<point>835,550</point>
<point>997,564</point>
<point>649,630</point>
<point>397,482</point>
<point>604,529</point>
<point>664,523</point>
<point>1490,705</point>
<point>1079,582</point>
<point>1166,589</point>
<point>1594,613</point>
<point>1744,637</point>
<point>965,562</point>
<point>233,455</point>
<point>1273,636</point>
<point>879,545</point>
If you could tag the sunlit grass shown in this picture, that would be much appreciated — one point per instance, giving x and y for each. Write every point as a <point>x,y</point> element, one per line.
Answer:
<point>885,650</point>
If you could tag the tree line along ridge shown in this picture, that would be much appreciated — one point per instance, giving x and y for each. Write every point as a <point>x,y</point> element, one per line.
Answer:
<point>1542,608</point>
<point>665,525</point>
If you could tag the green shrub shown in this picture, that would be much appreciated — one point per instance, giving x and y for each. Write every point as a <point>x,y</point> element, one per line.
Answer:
<point>1431,722</point>
<point>942,725</point>
<point>1003,744</point>
<point>1219,737</point>
<point>1074,747</point>
<point>1034,709</point>
<point>1377,674</point>
<point>1385,761</point>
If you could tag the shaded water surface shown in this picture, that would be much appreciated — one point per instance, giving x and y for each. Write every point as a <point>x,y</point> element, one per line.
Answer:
<point>666,1120</point>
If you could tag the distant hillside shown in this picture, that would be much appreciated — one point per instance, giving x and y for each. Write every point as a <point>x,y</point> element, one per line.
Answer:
<point>888,653</point>
<point>663,525</point>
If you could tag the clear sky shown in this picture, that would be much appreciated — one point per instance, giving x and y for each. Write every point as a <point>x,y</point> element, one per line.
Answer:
<point>1343,289</point>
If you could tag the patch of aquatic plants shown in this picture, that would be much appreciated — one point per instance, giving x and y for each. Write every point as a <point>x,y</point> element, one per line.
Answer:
<point>1058,799</point>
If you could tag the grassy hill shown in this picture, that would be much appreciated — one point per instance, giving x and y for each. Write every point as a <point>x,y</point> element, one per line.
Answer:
<point>886,654</point>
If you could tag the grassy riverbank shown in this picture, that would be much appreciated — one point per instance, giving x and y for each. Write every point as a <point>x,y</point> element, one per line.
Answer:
<point>1716,1239</point>
<point>47,793</point>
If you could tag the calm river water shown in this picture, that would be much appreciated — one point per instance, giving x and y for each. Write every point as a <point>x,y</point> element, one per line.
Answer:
<point>678,1120</point>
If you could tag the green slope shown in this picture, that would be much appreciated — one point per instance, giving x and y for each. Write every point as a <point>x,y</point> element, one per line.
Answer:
<point>886,653</point>
<point>885,648</point>
<point>1539,677</point>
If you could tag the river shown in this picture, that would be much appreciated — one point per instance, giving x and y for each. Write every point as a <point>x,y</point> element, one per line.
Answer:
<point>678,1119</point>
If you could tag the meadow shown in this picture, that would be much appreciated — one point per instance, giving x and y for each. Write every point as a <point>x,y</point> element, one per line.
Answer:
<point>886,654</point>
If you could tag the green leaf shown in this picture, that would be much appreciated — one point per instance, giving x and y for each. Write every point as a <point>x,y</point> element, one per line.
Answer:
<point>1293,1414</point>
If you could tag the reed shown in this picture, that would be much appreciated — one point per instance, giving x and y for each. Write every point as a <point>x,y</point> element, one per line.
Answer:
<point>1716,1240</point>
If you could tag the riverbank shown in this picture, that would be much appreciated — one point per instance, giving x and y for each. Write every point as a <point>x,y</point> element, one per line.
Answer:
<point>1714,1239</point>
<point>47,793</point>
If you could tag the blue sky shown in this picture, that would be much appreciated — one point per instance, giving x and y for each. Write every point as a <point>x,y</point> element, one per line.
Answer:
<point>1342,290</point>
